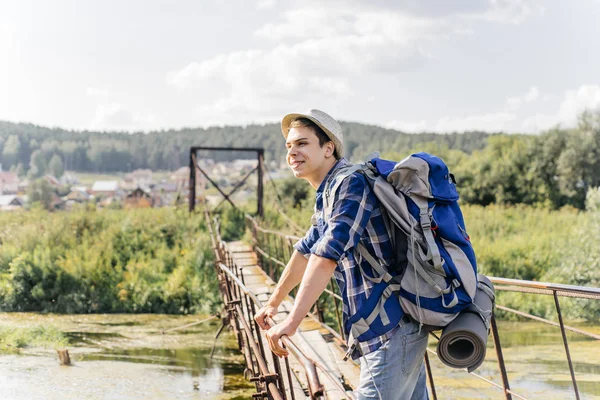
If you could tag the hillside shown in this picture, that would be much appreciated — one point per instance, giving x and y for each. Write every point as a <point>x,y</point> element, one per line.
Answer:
<point>167,150</point>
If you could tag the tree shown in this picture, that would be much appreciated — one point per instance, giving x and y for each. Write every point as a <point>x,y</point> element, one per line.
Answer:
<point>40,191</point>
<point>295,189</point>
<point>10,153</point>
<point>37,165</point>
<point>55,166</point>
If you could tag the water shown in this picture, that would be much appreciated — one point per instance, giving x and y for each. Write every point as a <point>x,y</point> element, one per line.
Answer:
<point>536,365</point>
<point>125,357</point>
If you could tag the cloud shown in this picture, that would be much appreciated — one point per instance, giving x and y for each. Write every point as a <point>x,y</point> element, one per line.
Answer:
<point>408,126</point>
<point>514,103</point>
<point>586,97</point>
<point>511,11</point>
<point>323,56</point>
<point>492,122</point>
<point>115,116</point>
<point>323,50</point>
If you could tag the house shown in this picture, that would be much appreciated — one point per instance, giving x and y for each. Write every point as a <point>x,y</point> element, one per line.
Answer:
<point>137,178</point>
<point>10,202</point>
<point>139,198</point>
<point>181,177</point>
<point>9,183</point>
<point>78,195</point>
<point>105,188</point>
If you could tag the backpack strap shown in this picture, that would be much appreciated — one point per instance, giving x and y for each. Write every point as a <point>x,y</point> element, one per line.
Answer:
<point>341,174</point>
<point>434,252</point>
<point>362,325</point>
<point>329,192</point>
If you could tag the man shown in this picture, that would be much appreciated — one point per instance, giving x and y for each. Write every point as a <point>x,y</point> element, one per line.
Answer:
<point>391,363</point>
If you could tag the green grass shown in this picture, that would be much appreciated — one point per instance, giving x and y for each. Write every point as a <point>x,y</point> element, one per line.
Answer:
<point>12,338</point>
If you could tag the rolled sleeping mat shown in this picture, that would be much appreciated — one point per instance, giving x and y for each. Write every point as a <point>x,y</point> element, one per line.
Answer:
<point>463,341</point>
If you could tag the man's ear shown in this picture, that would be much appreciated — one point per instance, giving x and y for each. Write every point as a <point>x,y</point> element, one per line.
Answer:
<point>330,149</point>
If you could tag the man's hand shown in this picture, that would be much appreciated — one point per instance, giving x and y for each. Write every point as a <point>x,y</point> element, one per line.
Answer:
<point>261,316</point>
<point>287,328</point>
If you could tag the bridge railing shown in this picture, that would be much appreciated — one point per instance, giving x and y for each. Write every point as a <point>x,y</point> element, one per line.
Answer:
<point>275,248</point>
<point>272,380</point>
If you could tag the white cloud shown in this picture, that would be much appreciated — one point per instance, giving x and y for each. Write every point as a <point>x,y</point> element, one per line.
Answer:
<point>492,122</point>
<point>316,53</point>
<point>586,97</point>
<point>532,94</point>
<point>514,103</point>
<point>512,11</point>
<point>321,49</point>
<point>117,116</point>
<point>408,126</point>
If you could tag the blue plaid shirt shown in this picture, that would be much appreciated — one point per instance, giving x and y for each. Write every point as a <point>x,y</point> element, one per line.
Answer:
<point>356,216</point>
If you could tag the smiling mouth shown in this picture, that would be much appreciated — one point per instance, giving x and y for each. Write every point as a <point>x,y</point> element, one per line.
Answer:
<point>295,164</point>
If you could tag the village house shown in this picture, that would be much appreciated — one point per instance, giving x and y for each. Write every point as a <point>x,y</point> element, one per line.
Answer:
<point>105,189</point>
<point>77,195</point>
<point>138,178</point>
<point>10,202</point>
<point>9,183</point>
<point>138,198</point>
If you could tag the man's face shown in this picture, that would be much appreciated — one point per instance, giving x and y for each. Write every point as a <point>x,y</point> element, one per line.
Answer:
<point>305,156</point>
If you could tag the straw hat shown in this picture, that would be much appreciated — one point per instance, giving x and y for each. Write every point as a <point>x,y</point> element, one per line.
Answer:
<point>330,126</point>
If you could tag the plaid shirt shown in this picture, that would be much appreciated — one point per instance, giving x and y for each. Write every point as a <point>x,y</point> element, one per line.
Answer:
<point>356,216</point>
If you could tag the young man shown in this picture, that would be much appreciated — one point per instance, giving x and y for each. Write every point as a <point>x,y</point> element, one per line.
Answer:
<point>391,363</point>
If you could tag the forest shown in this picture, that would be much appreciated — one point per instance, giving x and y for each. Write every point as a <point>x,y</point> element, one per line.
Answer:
<point>551,169</point>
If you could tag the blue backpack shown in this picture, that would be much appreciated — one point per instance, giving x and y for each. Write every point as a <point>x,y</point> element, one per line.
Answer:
<point>427,228</point>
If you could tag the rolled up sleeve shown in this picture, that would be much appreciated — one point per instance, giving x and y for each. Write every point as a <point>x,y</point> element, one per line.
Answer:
<point>306,244</point>
<point>353,203</point>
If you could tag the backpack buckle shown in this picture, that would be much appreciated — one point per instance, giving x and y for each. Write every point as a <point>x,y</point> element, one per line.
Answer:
<point>425,220</point>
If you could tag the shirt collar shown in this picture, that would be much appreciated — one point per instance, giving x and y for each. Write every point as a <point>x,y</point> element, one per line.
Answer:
<point>338,164</point>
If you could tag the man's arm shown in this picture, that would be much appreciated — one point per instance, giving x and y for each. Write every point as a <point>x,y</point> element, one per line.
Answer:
<point>318,273</point>
<point>290,278</point>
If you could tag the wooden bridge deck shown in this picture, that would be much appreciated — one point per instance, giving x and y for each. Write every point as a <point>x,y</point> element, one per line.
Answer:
<point>314,340</point>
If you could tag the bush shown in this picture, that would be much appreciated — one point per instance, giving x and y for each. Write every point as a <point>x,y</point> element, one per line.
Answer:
<point>152,260</point>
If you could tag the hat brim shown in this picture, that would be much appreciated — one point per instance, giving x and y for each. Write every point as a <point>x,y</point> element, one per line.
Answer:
<point>288,119</point>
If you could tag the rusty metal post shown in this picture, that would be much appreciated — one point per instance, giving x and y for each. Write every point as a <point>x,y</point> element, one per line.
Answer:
<point>566,344</point>
<point>430,376</point>
<point>259,189</point>
<point>501,365</point>
<point>192,183</point>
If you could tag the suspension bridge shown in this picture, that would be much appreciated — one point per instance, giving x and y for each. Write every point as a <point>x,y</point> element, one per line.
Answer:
<point>247,273</point>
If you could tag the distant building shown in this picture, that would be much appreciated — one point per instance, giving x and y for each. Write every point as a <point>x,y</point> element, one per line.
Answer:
<point>78,196</point>
<point>9,183</point>
<point>10,202</point>
<point>139,198</point>
<point>137,178</point>
<point>105,188</point>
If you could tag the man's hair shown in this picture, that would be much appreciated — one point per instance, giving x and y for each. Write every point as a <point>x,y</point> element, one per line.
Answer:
<point>307,123</point>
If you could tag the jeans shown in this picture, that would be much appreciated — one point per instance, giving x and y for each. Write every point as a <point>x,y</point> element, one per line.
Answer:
<point>396,370</point>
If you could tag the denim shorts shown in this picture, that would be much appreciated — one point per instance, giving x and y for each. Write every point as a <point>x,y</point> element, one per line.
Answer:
<point>396,370</point>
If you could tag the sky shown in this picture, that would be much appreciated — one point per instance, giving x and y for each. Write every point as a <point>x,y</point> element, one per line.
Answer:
<point>412,65</point>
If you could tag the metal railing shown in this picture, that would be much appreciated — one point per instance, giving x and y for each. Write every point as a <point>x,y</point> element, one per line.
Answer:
<point>272,380</point>
<point>274,248</point>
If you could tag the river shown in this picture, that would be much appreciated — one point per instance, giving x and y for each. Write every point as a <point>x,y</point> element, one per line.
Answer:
<point>128,357</point>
